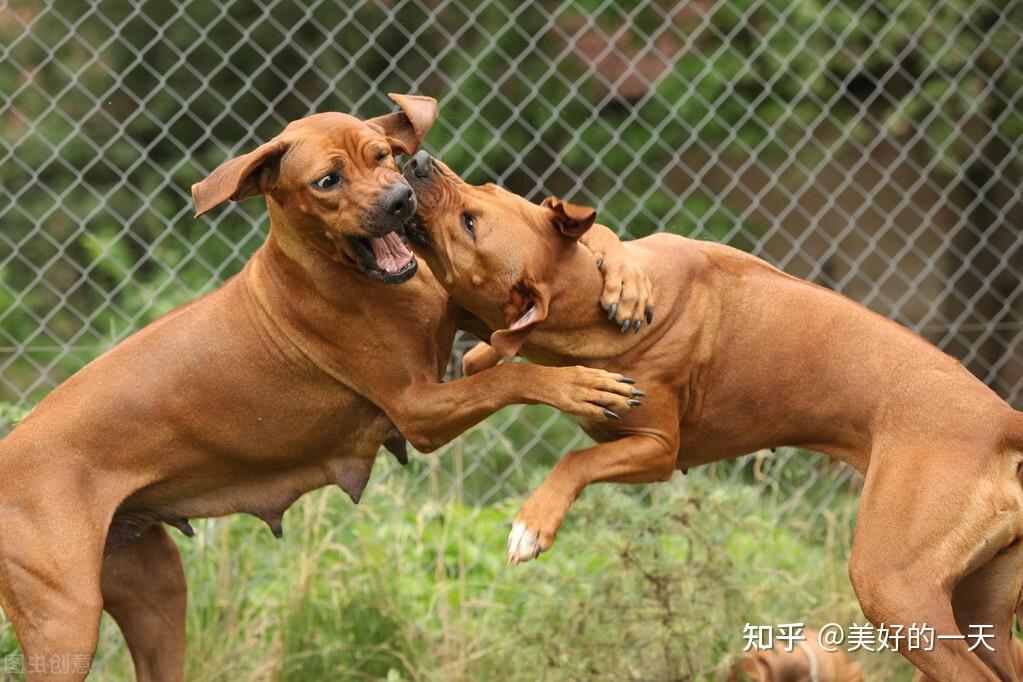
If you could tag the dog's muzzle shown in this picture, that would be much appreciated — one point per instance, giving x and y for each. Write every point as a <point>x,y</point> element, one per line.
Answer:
<point>418,171</point>
<point>419,166</point>
<point>398,201</point>
<point>385,255</point>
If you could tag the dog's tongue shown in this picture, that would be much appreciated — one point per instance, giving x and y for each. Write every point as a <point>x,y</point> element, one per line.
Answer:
<point>390,253</point>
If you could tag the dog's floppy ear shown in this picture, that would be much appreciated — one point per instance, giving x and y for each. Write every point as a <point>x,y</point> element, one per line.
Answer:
<point>570,220</point>
<point>530,301</point>
<point>240,178</point>
<point>405,129</point>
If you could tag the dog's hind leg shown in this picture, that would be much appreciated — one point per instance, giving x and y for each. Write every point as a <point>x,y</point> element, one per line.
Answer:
<point>144,590</point>
<point>987,598</point>
<point>929,523</point>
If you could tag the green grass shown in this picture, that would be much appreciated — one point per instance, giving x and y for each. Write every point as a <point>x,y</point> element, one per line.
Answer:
<point>651,584</point>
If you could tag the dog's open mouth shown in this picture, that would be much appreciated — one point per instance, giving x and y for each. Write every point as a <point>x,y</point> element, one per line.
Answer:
<point>416,230</point>
<point>386,259</point>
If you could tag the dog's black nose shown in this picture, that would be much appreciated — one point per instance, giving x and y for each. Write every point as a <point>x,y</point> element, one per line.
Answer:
<point>421,164</point>
<point>399,200</point>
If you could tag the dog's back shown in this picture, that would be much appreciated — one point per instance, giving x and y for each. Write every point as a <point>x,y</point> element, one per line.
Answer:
<point>742,329</point>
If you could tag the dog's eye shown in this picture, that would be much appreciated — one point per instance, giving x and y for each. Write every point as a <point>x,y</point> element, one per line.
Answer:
<point>382,154</point>
<point>328,180</point>
<point>469,223</point>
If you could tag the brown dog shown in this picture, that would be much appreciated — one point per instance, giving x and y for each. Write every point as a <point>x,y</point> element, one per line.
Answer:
<point>747,358</point>
<point>287,378</point>
<point>1016,655</point>
<point>805,661</point>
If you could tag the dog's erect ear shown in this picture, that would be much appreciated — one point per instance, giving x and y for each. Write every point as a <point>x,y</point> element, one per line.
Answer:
<point>530,301</point>
<point>240,178</point>
<point>757,669</point>
<point>570,220</point>
<point>405,129</point>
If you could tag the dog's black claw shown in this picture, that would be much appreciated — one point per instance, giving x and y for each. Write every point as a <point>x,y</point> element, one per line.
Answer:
<point>611,415</point>
<point>636,393</point>
<point>626,325</point>
<point>635,403</point>
<point>649,314</point>
<point>636,325</point>
<point>611,311</point>
<point>627,380</point>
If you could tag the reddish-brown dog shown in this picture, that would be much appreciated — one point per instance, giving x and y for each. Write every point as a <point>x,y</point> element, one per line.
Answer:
<point>804,661</point>
<point>744,358</point>
<point>287,378</point>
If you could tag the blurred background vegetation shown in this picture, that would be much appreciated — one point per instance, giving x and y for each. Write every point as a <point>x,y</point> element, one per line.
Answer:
<point>873,147</point>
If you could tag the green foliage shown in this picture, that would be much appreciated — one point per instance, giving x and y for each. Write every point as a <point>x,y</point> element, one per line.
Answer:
<point>11,415</point>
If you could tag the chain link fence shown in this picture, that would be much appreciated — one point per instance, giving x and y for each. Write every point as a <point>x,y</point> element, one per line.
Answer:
<point>872,147</point>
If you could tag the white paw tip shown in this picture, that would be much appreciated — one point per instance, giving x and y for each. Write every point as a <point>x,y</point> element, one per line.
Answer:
<point>523,544</point>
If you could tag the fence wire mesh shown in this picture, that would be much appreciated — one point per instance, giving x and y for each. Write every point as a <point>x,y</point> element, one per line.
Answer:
<point>872,147</point>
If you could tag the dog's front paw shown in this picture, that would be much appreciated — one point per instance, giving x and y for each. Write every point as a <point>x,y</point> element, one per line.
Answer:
<point>628,295</point>
<point>593,394</point>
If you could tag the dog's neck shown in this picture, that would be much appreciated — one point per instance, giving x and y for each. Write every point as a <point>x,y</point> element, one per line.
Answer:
<point>313,255</point>
<point>308,300</point>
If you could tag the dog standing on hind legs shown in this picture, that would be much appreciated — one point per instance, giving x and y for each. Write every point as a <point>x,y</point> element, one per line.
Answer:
<point>745,357</point>
<point>288,378</point>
